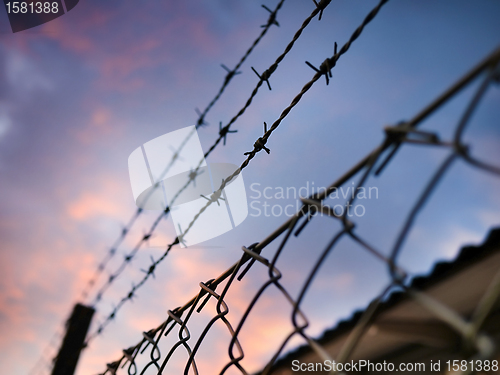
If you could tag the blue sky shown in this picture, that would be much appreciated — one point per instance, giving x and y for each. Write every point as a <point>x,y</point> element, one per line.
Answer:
<point>79,94</point>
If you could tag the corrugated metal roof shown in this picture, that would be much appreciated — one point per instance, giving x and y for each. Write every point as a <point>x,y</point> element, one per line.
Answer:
<point>468,256</point>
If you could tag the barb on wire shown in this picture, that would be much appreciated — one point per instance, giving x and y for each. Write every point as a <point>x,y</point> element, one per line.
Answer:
<point>260,144</point>
<point>321,6</point>
<point>230,73</point>
<point>214,198</point>
<point>325,68</point>
<point>151,269</point>
<point>264,77</point>
<point>201,119</point>
<point>272,18</point>
<point>224,131</point>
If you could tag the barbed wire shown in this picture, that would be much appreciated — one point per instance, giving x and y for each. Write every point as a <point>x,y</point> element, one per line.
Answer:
<point>469,328</point>
<point>258,146</point>
<point>199,123</point>
<point>223,132</point>
<point>110,254</point>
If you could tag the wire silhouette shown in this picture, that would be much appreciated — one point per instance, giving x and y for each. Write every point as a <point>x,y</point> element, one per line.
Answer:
<point>258,145</point>
<point>374,163</point>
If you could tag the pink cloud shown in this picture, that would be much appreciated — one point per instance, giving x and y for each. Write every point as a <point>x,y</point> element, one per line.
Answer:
<point>102,202</point>
<point>101,123</point>
<point>90,205</point>
<point>130,50</point>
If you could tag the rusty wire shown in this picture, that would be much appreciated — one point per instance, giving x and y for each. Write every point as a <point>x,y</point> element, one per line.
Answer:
<point>469,328</point>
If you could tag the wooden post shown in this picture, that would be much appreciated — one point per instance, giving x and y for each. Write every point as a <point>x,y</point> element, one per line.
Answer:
<point>76,330</point>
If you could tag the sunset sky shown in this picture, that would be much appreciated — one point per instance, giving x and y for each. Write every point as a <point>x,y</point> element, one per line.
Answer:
<point>80,93</point>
